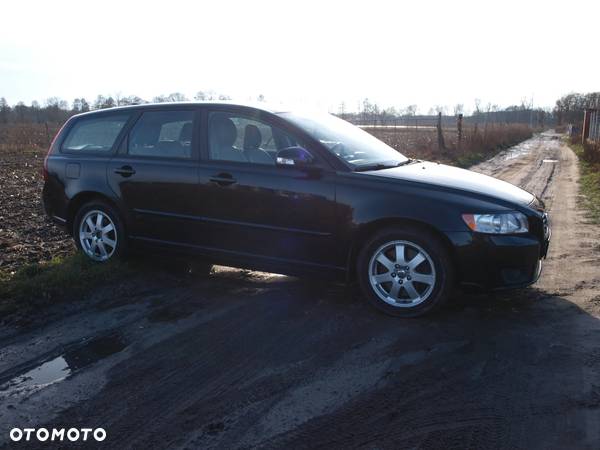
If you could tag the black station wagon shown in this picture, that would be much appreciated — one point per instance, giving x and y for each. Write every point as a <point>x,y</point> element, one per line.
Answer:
<point>291,193</point>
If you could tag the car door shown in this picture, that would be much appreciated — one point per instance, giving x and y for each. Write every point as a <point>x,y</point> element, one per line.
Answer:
<point>253,208</point>
<point>155,173</point>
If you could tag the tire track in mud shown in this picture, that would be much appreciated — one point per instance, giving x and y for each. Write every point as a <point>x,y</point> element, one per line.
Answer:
<point>534,171</point>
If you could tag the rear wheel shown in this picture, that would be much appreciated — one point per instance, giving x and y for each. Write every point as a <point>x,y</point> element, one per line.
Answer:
<point>405,272</point>
<point>98,231</point>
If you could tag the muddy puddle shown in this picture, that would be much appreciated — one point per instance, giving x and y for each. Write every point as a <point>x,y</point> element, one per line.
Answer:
<point>519,150</point>
<point>59,368</point>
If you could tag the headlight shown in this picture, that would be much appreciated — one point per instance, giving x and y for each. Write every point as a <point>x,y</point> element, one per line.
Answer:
<point>504,223</point>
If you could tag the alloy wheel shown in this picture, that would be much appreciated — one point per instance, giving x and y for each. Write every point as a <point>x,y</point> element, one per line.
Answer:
<point>402,274</point>
<point>98,235</point>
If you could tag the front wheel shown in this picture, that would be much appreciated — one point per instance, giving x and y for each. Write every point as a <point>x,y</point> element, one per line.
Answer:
<point>405,272</point>
<point>99,232</point>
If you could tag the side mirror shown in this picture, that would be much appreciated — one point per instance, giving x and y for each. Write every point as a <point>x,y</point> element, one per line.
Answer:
<point>294,157</point>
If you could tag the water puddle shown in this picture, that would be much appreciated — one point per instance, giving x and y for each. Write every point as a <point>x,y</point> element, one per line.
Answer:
<point>59,368</point>
<point>519,150</point>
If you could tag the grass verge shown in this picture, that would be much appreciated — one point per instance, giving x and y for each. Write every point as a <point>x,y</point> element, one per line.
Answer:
<point>471,159</point>
<point>589,183</point>
<point>62,279</point>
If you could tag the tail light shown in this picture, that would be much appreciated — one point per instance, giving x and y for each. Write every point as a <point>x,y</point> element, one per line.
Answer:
<point>45,167</point>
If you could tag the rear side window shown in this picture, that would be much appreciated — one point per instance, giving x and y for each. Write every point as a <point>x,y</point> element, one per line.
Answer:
<point>94,134</point>
<point>163,134</point>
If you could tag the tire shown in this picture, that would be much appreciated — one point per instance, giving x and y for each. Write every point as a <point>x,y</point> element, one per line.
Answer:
<point>411,285</point>
<point>103,243</point>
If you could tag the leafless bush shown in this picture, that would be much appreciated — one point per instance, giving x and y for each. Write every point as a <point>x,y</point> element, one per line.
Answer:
<point>591,152</point>
<point>30,136</point>
<point>487,139</point>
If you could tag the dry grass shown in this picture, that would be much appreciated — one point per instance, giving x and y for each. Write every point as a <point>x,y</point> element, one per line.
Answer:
<point>31,136</point>
<point>589,182</point>
<point>478,143</point>
<point>591,153</point>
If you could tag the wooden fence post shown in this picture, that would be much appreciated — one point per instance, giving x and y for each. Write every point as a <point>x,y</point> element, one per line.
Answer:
<point>440,134</point>
<point>585,129</point>
<point>459,124</point>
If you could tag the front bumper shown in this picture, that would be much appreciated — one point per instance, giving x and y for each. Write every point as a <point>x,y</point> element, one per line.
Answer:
<point>499,261</point>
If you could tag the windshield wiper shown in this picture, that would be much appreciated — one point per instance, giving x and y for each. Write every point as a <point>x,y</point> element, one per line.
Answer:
<point>380,166</point>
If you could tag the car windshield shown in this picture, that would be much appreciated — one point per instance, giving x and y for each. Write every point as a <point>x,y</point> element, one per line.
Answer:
<point>348,142</point>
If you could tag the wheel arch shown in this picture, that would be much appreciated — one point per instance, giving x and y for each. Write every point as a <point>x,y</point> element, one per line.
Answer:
<point>367,230</point>
<point>85,197</point>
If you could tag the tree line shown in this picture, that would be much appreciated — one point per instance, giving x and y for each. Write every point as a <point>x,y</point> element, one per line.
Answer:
<point>370,113</point>
<point>57,110</point>
<point>569,108</point>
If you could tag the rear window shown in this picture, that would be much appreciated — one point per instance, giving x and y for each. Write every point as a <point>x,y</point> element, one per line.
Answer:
<point>94,134</point>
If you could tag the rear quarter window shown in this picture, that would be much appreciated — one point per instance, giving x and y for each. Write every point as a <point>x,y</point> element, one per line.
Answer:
<point>94,134</point>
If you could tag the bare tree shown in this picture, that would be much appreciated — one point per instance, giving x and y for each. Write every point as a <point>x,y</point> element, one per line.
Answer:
<point>99,102</point>
<point>441,109</point>
<point>342,110</point>
<point>4,110</point>
<point>176,97</point>
<point>76,105</point>
<point>132,100</point>
<point>55,102</point>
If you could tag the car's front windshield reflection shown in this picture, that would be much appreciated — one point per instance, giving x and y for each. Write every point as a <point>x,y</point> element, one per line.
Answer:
<point>348,142</point>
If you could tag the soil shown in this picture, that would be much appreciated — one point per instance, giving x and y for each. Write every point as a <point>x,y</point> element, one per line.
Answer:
<point>26,234</point>
<point>247,359</point>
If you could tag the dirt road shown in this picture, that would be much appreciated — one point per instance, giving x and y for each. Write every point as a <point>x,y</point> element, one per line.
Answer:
<point>244,359</point>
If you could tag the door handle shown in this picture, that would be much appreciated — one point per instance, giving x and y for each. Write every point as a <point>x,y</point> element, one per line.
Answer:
<point>223,179</point>
<point>125,171</point>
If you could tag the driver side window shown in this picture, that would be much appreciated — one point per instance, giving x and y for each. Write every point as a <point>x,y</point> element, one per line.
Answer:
<point>234,137</point>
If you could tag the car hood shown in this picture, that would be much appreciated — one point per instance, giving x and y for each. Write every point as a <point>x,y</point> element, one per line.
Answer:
<point>455,178</point>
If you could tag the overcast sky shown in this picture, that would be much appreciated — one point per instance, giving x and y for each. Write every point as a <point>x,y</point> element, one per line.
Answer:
<point>317,53</point>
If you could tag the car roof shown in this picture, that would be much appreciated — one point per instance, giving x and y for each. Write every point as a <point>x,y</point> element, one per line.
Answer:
<point>262,106</point>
